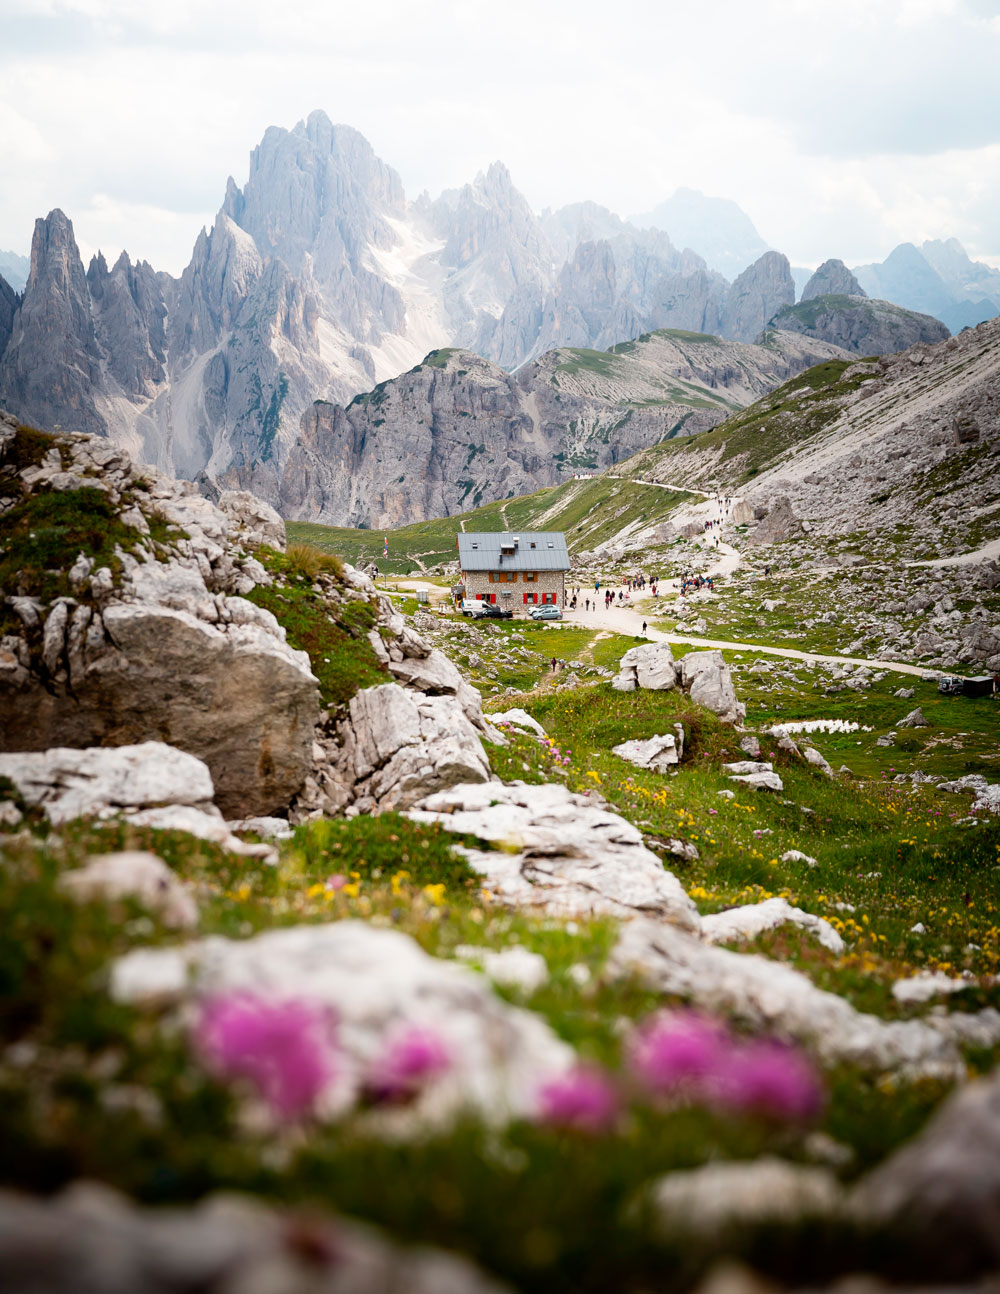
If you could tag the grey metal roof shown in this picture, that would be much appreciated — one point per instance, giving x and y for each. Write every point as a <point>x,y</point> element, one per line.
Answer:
<point>524,550</point>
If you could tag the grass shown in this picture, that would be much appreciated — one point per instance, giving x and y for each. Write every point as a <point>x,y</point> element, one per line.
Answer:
<point>339,652</point>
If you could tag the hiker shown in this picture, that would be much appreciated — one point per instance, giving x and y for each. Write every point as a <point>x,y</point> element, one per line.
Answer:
<point>644,626</point>
<point>553,662</point>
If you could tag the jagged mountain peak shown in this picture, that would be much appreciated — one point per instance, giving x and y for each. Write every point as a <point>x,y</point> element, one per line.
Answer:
<point>833,278</point>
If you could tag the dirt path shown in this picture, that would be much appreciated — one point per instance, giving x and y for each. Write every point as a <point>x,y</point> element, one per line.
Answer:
<point>984,554</point>
<point>624,620</point>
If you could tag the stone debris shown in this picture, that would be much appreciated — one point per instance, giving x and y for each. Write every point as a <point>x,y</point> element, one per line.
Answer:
<point>375,982</point>
<point>769,996</point>
<point>558,852</point>
<point>710,1200</point>
<point>134,874</point>
<point>658,754</point>
<point>744,923</point>
<point>90,1238</point>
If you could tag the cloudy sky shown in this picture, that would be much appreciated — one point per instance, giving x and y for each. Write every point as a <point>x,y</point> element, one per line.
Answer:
<point>842,127</point>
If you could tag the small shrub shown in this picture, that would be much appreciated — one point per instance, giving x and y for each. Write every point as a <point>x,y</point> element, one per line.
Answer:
<point>306,561</point>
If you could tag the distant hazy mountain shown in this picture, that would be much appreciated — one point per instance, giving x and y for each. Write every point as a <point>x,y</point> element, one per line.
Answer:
<point>938,279</point>
<point>716,228</point>
<point>14,269</point>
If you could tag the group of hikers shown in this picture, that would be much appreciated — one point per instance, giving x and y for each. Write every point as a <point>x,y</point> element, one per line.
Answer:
<point>694,582</point>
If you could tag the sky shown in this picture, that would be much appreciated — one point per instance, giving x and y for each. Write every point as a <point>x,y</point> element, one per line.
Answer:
<point>842,127</point>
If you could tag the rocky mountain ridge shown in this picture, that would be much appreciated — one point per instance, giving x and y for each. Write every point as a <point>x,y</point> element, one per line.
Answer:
<point>319,279</point>
<point>457,431</point>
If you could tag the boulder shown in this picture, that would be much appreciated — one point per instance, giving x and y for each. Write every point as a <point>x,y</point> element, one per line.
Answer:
<point>557,852</point>
<point>941,1192</point>
<point>659,754</point>
<point>759,781</point>
<point>653,664</point>
<point>134,874</point>
<point>705,675</point>
<point>376,983</point>
<point>915,719</point>
<point>398,746</point>
<point>712,1199</point>
<point>518,718</point>
<point>812,756</point>
<point>779,525</point>
<point>99,783</point>
<point>767,995</point>
<point>91,1239</point>
<point>736,925</point>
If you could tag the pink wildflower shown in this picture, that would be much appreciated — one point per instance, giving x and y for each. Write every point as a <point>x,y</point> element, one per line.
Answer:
<point>677,1049</point>
<point>771,1079</point>
<point>411,1060</point>
<point>283,1049</point>
<point>336,882</point>
<point>584,1099</point>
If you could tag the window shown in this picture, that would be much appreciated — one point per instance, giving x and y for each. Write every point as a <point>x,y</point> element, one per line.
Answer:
<point>529,576</point>
<point>550,597</point>
<point>530,597</point>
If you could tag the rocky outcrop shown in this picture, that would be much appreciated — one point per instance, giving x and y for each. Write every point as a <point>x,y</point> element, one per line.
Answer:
<point>833,278</point>
<point>147,639</point>
<point>702,674</point>
<point>457,431</point>
<point>89,1237</point>
<point>559,853</point>
<point>778,524</point>
<point>757,296</point>
<point>859,325</point>
<point>376,983</point>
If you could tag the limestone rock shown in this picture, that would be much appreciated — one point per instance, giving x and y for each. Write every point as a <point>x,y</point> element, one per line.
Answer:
<point>780,524</point>
<point>137,875</point>
<point>659,754</point>
<point>757,295</point>
<point>377,982</point>
<point>941,1192</point>
<point>252,520</point>
<point>812,756</point>
<point>519,718</point>
<point>915,719</point>
<point>736,924</point>
<point>759,781</point>
<point>558,852</point>
<point>398,746</point>
<point>765,994</point>
<point>68,784</point>
<point>713,1199</point>
<point>706,676</point>
<point>89,1238</point>
<point>833,278</point>
<point>653,666</point>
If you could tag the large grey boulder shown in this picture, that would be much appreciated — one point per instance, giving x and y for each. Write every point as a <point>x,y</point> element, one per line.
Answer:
<point>160,648</point>
<point>942,1190</point>
<point>558,852</point>
<point>255,521</point>
<point>705,675</point>
<point>659,754</point>
<point>376,983</point>
<point>397,746</point>
<point>91,1240</point>
<point>652,665</point>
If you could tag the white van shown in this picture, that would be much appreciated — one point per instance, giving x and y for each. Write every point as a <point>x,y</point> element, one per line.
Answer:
<point>473,607</point>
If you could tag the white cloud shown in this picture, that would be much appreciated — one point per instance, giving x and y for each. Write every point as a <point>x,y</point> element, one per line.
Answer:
<point>841,126</point>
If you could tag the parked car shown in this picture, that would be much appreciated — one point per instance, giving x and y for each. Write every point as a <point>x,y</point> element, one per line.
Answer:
<point>492,612</point>
<point>546,613</point>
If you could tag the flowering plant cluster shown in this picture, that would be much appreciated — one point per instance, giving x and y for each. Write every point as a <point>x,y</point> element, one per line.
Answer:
<point>685,1057</point>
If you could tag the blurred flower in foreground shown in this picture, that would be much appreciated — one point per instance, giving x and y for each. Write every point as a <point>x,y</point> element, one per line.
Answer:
<point>412,1060</point>
<point>283,1049</point>
<point>584,1098</point>
<point>772,1079</point>
<point>678,1049</point>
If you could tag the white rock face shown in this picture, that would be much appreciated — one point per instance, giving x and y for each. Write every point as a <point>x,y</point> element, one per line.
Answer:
<point>768,995</point>
<point>400,745</point>
<point>736,924</point>
<point>658,754</point>
<point>137,875</point>
<point>253,521</point>
<point>927,984</point>
<point>706,676</point>
<point>559,853</point>
<point>759,781</point>
<point>519,718</point>
<point>652,665</point>
<point>377,982</point>
<point>101,782</point>
<point>708,1200</point>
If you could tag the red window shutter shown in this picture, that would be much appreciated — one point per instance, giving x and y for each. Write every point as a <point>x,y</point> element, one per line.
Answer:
<point>525,599</point>
<point>493,597</point>
<point>479,597</point>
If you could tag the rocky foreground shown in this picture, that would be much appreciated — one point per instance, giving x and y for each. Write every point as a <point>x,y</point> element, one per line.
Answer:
<point>294,917</point>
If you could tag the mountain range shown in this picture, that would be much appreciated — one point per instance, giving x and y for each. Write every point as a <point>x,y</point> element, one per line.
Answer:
<point>320,280</point>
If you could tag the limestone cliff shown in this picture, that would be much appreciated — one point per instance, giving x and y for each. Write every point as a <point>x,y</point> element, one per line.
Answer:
<point>859,325</point>
<point>757,295</point>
